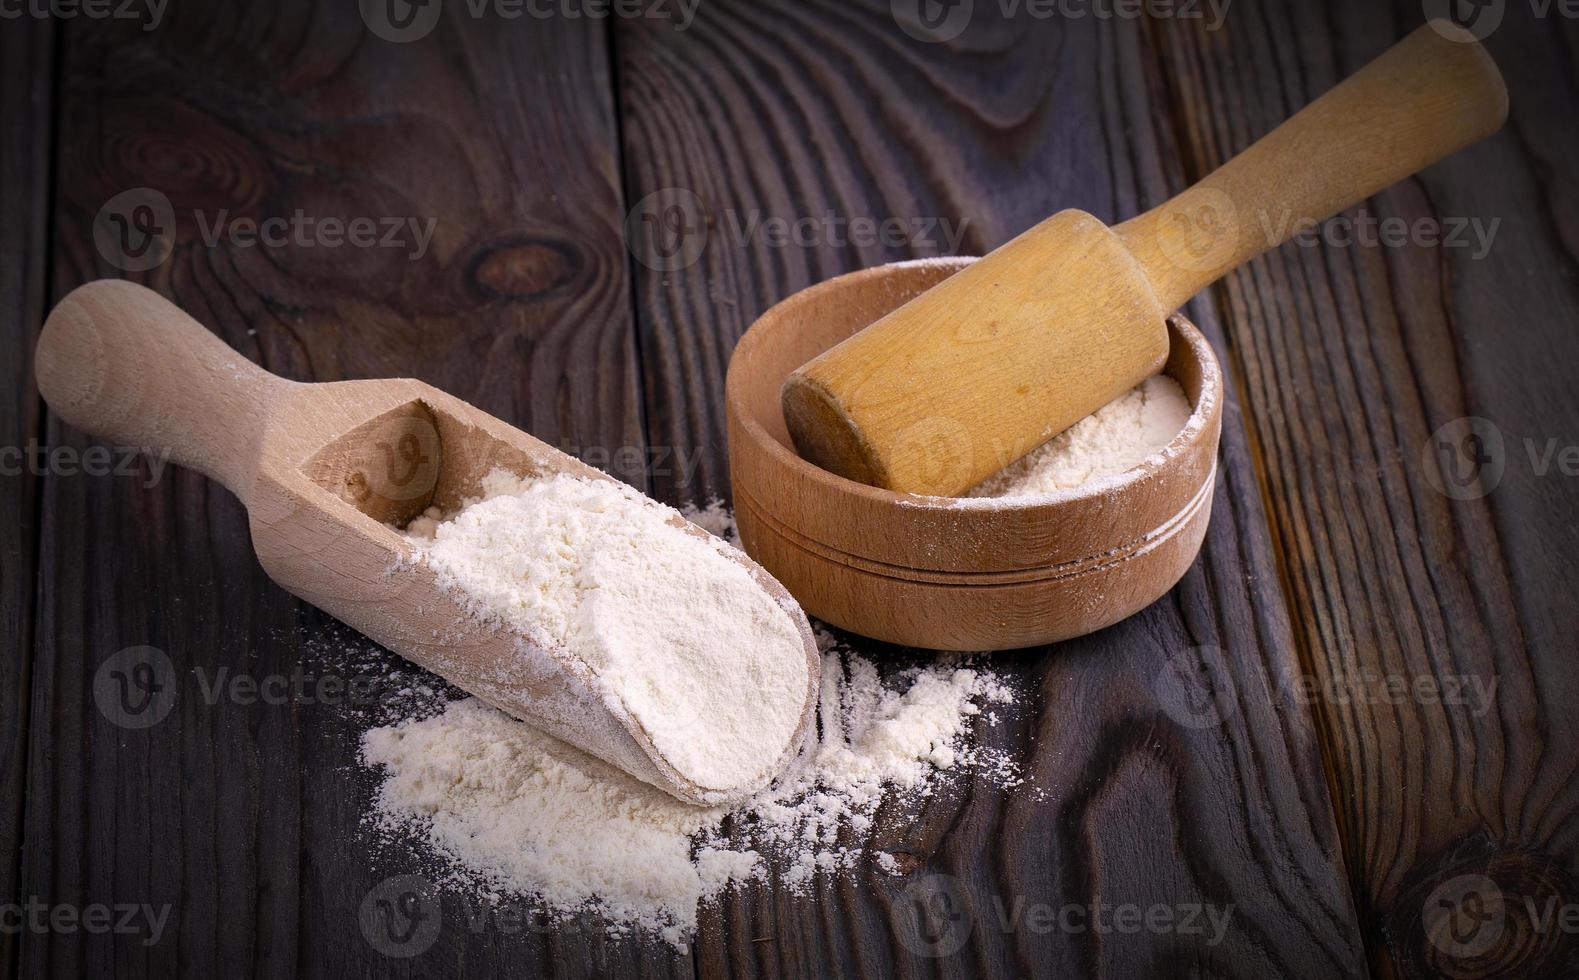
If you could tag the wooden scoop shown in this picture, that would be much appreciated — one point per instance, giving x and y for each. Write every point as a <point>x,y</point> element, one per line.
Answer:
<point>970,376</point>
<point>323,470</point>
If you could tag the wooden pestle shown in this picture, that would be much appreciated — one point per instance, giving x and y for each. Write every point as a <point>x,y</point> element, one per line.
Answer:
<point>993,362</point>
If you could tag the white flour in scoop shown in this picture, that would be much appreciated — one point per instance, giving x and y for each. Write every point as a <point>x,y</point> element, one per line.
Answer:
<point>681,635</point>
<point>1115,438</point>
<point>514,812</point>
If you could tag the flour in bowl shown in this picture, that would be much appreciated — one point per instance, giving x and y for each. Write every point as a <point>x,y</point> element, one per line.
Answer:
<point>676,631</point>
<point>1114,439</point>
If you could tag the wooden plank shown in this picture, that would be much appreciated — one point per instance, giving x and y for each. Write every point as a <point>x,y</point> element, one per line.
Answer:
<point>791,110</point>
<point>1355,361</point>
<point>244,818</point>
<point>26,96</point>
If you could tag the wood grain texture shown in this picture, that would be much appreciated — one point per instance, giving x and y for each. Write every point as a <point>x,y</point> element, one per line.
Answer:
<point>791,110</point>
<point>1352,359</point>
<point>245,818</point>
<point>27,52</point>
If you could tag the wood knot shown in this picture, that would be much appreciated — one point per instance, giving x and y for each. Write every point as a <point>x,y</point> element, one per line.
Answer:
<point>200,164</point>
<point>905,863</point>
<point>1498,915</point>
<point>525,268</point>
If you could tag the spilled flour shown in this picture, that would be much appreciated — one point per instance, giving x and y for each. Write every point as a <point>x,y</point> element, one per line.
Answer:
<point>515,812</point>
<point>1115,438</point>
<point>674,630</point>
<point>520,812</point>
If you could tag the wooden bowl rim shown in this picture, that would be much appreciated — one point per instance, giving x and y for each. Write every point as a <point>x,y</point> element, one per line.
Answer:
<point>1199,422</point>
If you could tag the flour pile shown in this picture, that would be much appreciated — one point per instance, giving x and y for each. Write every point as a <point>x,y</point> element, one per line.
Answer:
<point>675,631</point>
<point>518,813</point>
<point>1114,439</point>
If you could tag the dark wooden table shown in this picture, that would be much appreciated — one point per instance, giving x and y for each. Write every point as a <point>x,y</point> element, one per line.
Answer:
<point>1382,779</point>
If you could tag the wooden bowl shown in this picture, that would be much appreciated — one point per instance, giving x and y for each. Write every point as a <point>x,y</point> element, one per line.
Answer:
<point>957,573</point>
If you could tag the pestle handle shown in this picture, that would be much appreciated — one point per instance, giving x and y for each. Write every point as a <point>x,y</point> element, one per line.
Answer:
<point>126,365</point>
<point>1435,92</point>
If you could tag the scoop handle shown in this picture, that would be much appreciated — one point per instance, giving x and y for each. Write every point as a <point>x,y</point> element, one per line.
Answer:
<point>1435,92</point>
<point>123,363</point>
